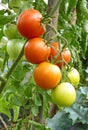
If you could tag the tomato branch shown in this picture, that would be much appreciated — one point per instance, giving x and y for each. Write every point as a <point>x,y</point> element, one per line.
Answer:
<point>10,71</point>
<point>57,33</point>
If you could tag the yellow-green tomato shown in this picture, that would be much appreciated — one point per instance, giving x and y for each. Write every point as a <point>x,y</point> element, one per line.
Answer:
<point>64,94</point>
<point>14,47</point>
<point>74,77</point>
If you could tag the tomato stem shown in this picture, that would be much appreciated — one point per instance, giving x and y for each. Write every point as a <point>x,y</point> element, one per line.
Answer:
<point>58,34</point>
<point>10,71</point>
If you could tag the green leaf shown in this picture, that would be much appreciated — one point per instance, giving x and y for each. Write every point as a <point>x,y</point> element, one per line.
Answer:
<point>34,110</point>
<point>79,111</point>
<point>16,110</point>
<point>71,5</point>
<point>79,126</point>
<point>4,108</point>
<point>60,122</point>
<point>37,100</point>
<point>6,19</point>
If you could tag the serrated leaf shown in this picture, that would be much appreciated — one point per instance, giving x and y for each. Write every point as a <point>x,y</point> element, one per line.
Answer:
<point>77,113</point>
<point>60,122</point>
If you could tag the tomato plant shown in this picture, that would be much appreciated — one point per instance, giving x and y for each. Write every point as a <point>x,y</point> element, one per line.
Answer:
<point>29,24</point>
<point>64,94</point>
<point>36,50</point>
<point>26,85</point>
<point>47,75</point>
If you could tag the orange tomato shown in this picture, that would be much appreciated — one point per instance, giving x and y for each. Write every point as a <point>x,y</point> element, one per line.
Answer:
<point>36,51</point>
<point>29,23</point>
<point>62,58</point>
<point>47,75</point>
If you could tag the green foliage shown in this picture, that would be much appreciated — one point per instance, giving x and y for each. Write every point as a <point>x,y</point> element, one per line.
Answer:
<point>72,117</point>
<point>30,104</point>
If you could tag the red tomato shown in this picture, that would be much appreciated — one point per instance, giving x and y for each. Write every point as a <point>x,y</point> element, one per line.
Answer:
<point>36,51</point>
<point>29,24</point>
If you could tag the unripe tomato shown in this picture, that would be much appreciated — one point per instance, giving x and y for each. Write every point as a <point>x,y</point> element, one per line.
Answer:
<point>47,75</point>
<point>60,59</point>
<point>10,31</point>
<point>36,51</point>
<point>14,47</point>
<point>29,24</point>
<point>64,94</point>
<point>74,77</point>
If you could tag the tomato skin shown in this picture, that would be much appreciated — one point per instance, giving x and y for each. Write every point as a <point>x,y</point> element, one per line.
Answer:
<point>74,77</point>
<point>64,94</point>
<point>14,47</point>
<point>60,59</point>
<point>47,75</point>
<point>29,24</point>
<point>54,49</point>
<point>65,56</point>
<point>10,31</point>
<point>36,51</point>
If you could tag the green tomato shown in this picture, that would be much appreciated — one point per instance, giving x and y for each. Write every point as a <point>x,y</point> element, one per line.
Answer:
<point>10,31</point>
<point>74,77</point>
<point>14,47</point>
<point>64,94</point>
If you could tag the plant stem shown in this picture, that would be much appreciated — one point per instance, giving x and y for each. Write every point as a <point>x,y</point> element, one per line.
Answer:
<point>35,123</point>
<point>11,69</point>
<point>53,10</point>
<point>2,79</point>
<point>58,34</point>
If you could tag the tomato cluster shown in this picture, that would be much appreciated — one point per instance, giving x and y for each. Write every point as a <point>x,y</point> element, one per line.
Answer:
<point>47,75</point>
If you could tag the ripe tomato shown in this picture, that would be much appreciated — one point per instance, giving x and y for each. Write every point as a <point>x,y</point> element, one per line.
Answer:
<point>29,24</point>
<point>36,51</point>
<point>54,49</point>
<point>64,94</point>
<point>64,58</point>
<point>74,77</point>
<point>47,75</point>
<point>14,47</point>
<point>60,59</point>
